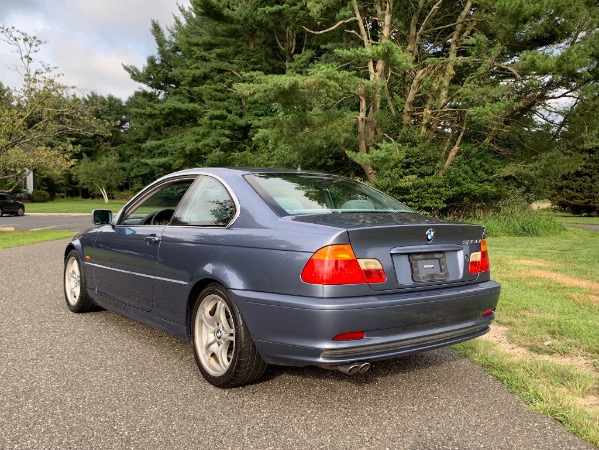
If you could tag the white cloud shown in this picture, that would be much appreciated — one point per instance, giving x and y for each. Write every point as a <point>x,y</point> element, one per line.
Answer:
<point>88,40</point>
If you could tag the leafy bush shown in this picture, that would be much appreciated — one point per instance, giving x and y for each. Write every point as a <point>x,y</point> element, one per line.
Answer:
<point>40,196</point>
<point>411,172</point>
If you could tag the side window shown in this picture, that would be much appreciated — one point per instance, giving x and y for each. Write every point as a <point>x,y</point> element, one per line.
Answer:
<point>208,203</point>
<point>158,208</point>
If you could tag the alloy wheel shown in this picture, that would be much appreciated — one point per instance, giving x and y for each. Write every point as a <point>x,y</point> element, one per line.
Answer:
<point>214,335</point>
<point>72,281</point>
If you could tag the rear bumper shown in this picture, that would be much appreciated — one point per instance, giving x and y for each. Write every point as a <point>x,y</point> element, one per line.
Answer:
<point>292,330</point>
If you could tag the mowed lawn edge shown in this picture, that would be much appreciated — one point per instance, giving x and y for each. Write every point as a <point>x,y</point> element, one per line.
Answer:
<point>544,345</point>
<point>9,239</point>
<point>73,206</point>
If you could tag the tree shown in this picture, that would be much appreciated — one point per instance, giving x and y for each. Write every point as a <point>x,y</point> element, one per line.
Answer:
<point>101,175</point>
<point>449,103</point>
<point>39,120</point>
<point>577,191</point>
<point>190,113</point>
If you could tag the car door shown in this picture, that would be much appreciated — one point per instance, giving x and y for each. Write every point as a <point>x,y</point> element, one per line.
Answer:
<point>192,244</point>
<point>125,254</point>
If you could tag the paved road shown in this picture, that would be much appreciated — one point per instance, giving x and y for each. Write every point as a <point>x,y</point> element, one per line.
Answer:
<point>583,225</point>
<point>98,380</point>
<point>28,222</point>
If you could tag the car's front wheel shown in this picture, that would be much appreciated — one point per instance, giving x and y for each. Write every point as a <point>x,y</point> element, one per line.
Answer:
<point>74,285</point>
<point>21,211</point>
<point>224,350</point>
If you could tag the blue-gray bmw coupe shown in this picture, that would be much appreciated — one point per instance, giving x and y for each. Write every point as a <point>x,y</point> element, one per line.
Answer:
<point>257,267</point>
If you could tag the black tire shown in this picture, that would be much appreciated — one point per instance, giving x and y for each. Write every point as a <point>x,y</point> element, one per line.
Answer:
<point>20,211</point>
<point>1,211</point>
<point>75,289</point>
<point>231,359</point>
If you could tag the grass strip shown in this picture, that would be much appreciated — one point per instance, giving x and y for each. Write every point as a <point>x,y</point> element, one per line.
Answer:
<point>549,313</point>
<point>552,389</point>
<point>10,239</point>
<point>73,205</point>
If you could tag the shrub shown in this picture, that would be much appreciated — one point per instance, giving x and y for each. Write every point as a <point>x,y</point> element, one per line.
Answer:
<point>411,172</point>
<point>529,223</point>
<point>40,196</point>
<point>523,222</point>
<point>513,216</point>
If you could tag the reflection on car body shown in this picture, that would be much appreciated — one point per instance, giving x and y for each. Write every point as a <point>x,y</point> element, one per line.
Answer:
<point>258,267</point>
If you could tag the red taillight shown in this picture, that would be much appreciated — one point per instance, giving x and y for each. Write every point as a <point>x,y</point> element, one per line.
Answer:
<point>351,336</point>
<point>479,261</point>
<point>337,264</point>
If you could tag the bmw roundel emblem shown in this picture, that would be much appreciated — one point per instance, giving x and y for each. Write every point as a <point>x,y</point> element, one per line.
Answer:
<point>430,234</point>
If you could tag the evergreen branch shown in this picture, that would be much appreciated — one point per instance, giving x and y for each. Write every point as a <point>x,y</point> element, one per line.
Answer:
<point>337,25</point>
<point>354,32</point>
<point>509,69</point>
<point>430,14</point>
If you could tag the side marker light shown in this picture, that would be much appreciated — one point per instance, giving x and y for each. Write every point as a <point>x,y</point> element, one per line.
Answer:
<point>488,312</point>
<point>351,336</point>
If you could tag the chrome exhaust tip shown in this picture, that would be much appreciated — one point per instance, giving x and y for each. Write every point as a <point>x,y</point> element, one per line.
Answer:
<point>350,369</point>
<point>364,367</point>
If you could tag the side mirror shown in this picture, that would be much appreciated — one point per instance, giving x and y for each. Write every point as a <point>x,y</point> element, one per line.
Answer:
<point>101,216</point>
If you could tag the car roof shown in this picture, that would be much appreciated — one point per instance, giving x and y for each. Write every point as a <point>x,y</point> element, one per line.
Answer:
<point>240,171</point>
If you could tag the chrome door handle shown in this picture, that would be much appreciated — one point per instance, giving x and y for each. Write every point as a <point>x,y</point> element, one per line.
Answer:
<point>152,239</point>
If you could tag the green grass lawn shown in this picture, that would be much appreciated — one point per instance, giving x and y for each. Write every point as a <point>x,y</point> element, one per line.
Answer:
<point>16,238</point>
<point>73,205</point>
<point>545,347</point>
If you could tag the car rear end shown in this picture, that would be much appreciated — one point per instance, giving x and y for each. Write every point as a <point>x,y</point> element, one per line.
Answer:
<point>431,296</point>
<point>393,282</point>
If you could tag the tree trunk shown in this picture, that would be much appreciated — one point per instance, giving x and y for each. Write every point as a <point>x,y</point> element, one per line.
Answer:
<point>456,147</point>
<point>363,132</point>
<point>449,73</point>
<point>102,190</point>
<point>409,105</point>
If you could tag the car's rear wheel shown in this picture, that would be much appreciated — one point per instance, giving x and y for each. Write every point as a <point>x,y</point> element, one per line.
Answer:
<point>224,350</point>
<point>74,285</point>
<point>1,212</point>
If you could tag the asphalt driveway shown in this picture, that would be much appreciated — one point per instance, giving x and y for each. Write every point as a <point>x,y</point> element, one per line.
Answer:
<point>98,380</point>
<point>28,222</point>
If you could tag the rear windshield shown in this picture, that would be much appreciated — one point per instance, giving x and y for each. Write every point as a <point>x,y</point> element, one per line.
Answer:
<point>297,193</point>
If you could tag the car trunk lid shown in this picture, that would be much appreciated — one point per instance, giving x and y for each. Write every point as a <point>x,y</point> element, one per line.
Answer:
<point>416,252</point>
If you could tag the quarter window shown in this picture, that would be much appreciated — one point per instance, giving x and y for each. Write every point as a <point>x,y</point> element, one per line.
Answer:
<point>207,203</point>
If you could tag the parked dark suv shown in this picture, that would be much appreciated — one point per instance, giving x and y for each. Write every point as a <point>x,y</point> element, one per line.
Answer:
<point>9,205</point>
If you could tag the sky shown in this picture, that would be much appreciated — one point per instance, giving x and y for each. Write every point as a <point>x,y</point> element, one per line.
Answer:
<point>88,40</point>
